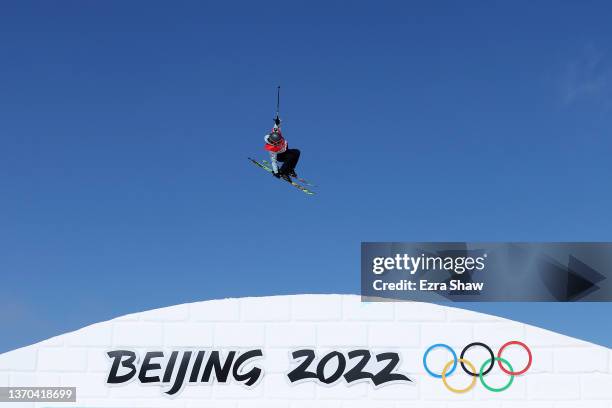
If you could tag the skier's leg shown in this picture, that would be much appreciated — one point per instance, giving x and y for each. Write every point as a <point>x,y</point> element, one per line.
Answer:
<point>283,158</point>
<point>297,158</point>
<point>289,158</point>
<point>293,156</point>
<point>294,162</point>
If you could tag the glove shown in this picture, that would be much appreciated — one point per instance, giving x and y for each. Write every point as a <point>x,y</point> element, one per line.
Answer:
<point>277,121</point>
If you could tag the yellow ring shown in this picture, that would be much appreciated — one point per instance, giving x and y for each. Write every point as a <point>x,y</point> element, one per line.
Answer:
<point>455,390</point>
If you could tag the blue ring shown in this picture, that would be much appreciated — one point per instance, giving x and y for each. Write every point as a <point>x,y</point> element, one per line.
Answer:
<point>443,346</point>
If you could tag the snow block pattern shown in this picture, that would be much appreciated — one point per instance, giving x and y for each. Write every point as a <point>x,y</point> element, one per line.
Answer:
<point>566,372</point>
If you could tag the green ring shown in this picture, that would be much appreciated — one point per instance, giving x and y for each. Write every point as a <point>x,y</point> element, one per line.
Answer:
<point>505,387</point>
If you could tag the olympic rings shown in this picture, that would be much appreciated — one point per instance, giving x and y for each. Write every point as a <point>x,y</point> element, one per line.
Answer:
<point>466,348</point>
<point>442,346</point>
<point>455,390</point>
<point>505,387</point>
<point>447,371</point>
<point>518,343</point>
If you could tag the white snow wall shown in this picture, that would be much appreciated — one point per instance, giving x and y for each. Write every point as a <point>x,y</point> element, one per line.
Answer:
<point>566,372</point>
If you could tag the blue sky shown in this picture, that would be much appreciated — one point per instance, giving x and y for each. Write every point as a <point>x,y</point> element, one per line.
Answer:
<point>125,127</point>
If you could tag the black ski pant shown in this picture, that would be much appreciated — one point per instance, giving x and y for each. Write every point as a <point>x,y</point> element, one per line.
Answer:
<point>289,158</point>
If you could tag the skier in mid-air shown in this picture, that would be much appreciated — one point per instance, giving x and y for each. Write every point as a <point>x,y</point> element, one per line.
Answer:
<point>279,151</point>
<point>278,148</point>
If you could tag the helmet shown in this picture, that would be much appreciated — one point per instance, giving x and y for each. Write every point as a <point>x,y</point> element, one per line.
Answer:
<point>274,138</point>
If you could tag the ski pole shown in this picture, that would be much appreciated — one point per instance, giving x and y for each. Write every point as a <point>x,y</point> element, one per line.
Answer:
<point>277,100</point>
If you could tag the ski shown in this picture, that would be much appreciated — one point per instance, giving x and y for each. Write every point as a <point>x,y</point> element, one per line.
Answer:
<point>301,180</point>
<point>294,184</point>
<point>268,166</point>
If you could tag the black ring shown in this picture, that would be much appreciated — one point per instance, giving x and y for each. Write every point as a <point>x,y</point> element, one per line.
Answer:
<point>482,345</point>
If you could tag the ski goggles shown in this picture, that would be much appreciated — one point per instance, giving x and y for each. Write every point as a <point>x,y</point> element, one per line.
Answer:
<point>485,368</point>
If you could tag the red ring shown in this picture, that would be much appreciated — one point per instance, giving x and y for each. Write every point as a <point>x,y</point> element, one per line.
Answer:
<point>518,343</point>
